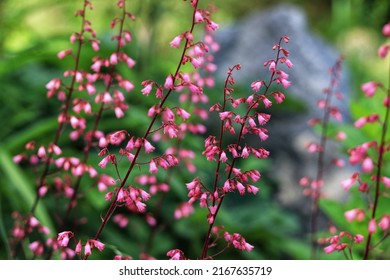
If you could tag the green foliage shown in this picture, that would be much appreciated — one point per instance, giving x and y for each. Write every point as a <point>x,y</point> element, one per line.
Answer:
<point>29,43</point>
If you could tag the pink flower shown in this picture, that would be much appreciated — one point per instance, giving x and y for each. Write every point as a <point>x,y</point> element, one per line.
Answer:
<point>256,85</point>
<point>348,183</point>
<point>386,30</point>
<point>251,121</point>
<point>240,188</point>
<point>87,249</point>
<point>171,129</point>
<point>372,226</point>
<point>225,115</point>
<point>147,89</point>
<point>341,135</point>
<point>78,248</point>
<point>245,152</point>
<point>252,189</point>
<point>78,77</point>
<point>213,209</point>
<point>272,66</point>
<point>36,247</point>
<point>99,245</point>
<point>64,53</point>
<point>384,223</point>
<point>54,84</point>
<point>63,238</point>
<point>227,186</point>
<point>383,50</point>
<point>304,182</point>
<point>331,248</point>
<point>175,43</point>
<point>198,17</point>
<point>159,92</point>
<point>367,165</point>
<point>248,247</point>
<point>195,62</point>
<point>386,181</point>
<point>148,147</point>
<point>288,63</point>
<point>284,82</point>
<point>195,89</point>
<point>263,118</point>
<point>317,184</point>
<point>97,65</point>
<point>213,26</point>
<point>358,238</point>
<point>198,51</point>
<point>189,36</point>
<point>183,114</point>
<point>130,62</point>
<point>176,254</point>
<point>153,167</point>
<point>223,157</point>
<point>119,112</point>
<point>263,135</point>
<point>354,214</point>
<point>266,101</point>
<point>42,191</point>
<point>338,162</point>
<point>108,196</point>
<point>41,152</point>
<point>114,59</point>
<point>104,162</point>
<point>169,82</point>
<point>279,97</point>
<point>127,85</point>
<point>95,45</point>
<point>369,88</point>
<point>184,210</point>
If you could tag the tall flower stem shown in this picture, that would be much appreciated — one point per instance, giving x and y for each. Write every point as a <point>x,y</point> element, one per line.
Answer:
<point>98,117</point>
<point>379,166</point>
<point>64,112</point>
<point>46,168</point>
<point>206,242</point>
<point>321,159</point>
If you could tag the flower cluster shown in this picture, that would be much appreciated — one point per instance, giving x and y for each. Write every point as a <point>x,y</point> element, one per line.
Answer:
<point>250,124</point>
<point>371,179</point>
<point>85,94</point>
<point>168,124</point>
<point>313,186</point>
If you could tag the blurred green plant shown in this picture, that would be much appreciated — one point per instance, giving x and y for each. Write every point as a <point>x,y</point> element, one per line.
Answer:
<point>34,31</point>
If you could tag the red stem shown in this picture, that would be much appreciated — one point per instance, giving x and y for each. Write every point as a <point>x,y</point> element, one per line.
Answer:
<point>239,138</point>
<point>97,119</point>
<point>321,160</point>
<point>378,175</point>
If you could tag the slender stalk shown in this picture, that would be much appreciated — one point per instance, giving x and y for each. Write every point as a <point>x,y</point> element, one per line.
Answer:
<point>239,138</point>
<point>89,144</point>
<point>64,112</point>
<point>379,166</point>
<point>321,161</point>
<point>60,127</point>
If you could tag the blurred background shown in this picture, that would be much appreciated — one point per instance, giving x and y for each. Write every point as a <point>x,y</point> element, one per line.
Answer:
<point>276,220</point>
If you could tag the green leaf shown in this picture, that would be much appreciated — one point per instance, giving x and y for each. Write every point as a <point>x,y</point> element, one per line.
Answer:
<point>19,189</point>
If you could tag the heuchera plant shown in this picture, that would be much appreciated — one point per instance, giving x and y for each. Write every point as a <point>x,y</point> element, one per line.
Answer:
<point>371,218</point>
<point>88,95</point>
<point>313,186</point>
